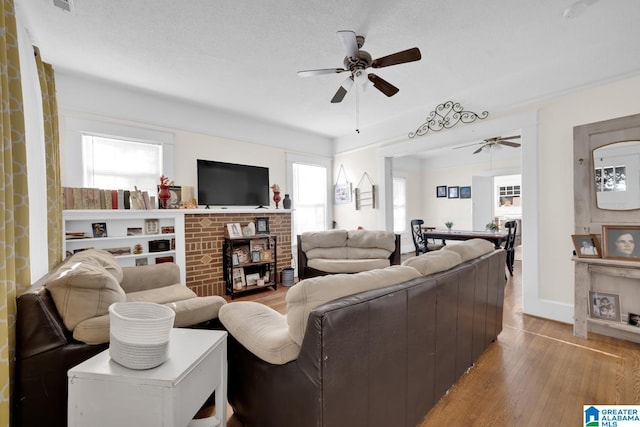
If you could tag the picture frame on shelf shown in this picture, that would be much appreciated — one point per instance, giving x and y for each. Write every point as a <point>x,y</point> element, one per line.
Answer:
<point>262,225</point>
<point>235,260</point>
<point>619,242</point>
<point>243,253</point>
<point>168,229</point>
<point>465,192</point>
<point>441,191</point>
<point>99,229</point>
<point>134,231</point>
<point>633,319</point>
<point>453,192</point>
<point>255,256</point>
<point>142,261</point>
<point>586,245</point>
<point>252,279</point>
<point>234,230</point>
<point>238,279</point>
<point>266,255</point>
<point>151,226</point>
<point>604,306</point>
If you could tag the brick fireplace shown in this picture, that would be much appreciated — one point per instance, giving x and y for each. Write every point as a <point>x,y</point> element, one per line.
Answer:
<point>204,236</point>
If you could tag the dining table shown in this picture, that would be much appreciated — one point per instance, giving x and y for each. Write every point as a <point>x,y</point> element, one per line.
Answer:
<point>495,237</point>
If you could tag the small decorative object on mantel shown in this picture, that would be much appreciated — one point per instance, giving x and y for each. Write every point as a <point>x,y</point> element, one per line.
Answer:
<point>342,189</point>
<point>446,116</point>
<point>286,202</point>
<point>234,230</point>
<point>448,224</point>
<point>366,198</point>
<point>164,194</point>
<point>276,194</point>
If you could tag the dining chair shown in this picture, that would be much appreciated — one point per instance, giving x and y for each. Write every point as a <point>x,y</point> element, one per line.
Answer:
<point>509,245</point>
<point>421,244</point>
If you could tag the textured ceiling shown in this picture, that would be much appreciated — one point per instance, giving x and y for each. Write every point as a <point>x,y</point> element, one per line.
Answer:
<point>242,56</point>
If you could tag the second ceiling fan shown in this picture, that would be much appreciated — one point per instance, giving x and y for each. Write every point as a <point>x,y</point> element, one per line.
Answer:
<point>356,63</point>
<point>496,141</point>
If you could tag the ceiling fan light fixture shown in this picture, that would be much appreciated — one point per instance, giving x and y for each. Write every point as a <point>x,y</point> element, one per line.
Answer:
<point>361,77</point>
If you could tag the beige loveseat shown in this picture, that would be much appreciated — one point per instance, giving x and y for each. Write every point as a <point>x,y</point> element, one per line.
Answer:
<point>342,251</point>
<point>349,344</point>
<point>63,320</point>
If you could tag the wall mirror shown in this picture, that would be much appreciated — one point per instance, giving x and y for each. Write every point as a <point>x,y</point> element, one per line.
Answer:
<point>617,175</point>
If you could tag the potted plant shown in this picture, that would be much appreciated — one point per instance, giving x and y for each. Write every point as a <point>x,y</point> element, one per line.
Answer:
<point>448,224</point>
<point>491,227</point>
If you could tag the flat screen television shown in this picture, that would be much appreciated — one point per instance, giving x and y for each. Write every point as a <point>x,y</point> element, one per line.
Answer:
<point>230,184</point>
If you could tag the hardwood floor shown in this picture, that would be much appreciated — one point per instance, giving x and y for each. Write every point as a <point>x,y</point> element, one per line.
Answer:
<point>536,373</point>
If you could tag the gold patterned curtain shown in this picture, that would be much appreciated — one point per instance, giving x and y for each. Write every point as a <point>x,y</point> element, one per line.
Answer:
<point>52,154</point>
<point>14,202</point>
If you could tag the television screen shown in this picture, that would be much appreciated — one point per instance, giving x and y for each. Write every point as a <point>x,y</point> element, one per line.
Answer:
<point>230,184</point>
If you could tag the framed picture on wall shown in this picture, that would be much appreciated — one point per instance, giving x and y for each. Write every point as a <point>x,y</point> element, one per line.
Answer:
<point>465,192</point>
<point>441,191</point>
<point>454,192</point>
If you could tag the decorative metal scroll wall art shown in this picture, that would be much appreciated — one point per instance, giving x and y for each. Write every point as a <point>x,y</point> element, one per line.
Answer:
<point>446,116</point>
<point>366,198</point>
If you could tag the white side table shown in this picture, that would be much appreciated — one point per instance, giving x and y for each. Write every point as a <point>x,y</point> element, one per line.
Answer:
<point>104,393</point>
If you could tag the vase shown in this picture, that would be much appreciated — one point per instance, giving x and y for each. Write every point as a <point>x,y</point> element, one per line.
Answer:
<point>286,202</point>
<point>276,198</point>
<point>163,196</point>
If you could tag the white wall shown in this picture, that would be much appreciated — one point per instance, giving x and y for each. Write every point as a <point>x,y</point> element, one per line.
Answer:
<point>547,181</point>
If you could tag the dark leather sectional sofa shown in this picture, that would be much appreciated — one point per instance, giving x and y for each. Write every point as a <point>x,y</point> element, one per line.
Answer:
<point>383,357</point>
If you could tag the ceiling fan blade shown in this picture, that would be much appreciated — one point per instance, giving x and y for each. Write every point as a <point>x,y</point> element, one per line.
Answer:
<point>467,145</point>
<point>382,85</point>
<point>408,55</point>
<point>510,137</point>
<point>350,43</point>
<point>509,143</point>
<point>342,90</point>
<point>478,150</point>
<point>310,73</point>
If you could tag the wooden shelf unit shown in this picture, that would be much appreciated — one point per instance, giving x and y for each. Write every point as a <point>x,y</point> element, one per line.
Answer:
<point>265,268</point>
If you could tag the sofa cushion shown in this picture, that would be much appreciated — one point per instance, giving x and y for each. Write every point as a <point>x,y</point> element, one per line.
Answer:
<point>323,239</point>
<point>367,253</point>
<point>347,265</point>
<point>104,258</point>
<point>371,239</point>
<point>162,295</point>
<point>188,312</point>
<point>308,294</point>
<point>196,310</point>
<point>262,330</point>
<point>434,261</point>
<point>470,249</point>
<point>82,290</point>
<point>339,252</point>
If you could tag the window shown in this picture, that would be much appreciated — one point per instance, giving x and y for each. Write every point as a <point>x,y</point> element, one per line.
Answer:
<point>611,178</point>
<point>309,198</point>
<point>509,195</point>
<point>399,204</point>
<point>110,163</point>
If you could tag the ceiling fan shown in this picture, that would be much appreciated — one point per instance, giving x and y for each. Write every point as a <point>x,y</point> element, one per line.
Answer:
<point>494,143</point>
<point>356,63</point>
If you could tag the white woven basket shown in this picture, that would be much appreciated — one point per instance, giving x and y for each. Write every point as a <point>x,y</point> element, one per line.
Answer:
<point>139,333</point>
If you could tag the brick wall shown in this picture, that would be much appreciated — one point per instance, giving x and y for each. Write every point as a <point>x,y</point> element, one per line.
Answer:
<point>204,236</point>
